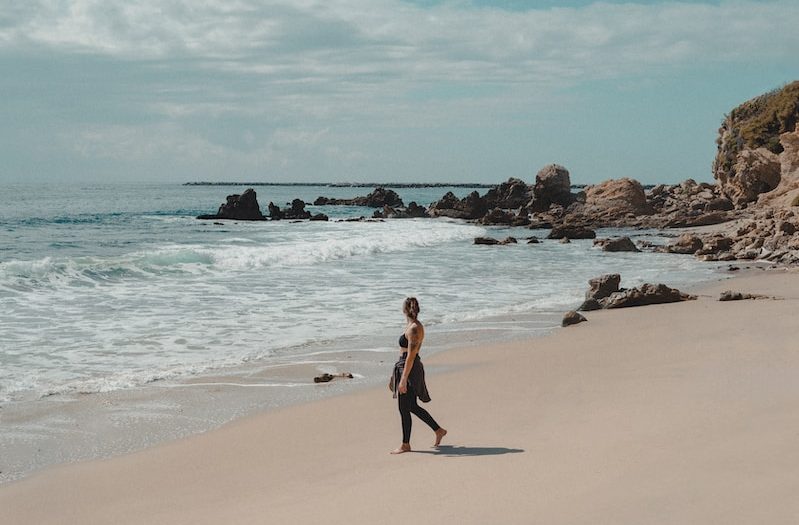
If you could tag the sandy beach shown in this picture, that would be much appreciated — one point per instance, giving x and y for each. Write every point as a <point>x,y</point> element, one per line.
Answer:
<point>679,413</point>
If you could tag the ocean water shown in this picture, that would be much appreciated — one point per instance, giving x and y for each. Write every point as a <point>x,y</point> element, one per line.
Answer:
<point>111,289</point>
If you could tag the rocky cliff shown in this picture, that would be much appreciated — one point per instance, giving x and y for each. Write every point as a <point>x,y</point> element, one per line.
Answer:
<point>749,144</point>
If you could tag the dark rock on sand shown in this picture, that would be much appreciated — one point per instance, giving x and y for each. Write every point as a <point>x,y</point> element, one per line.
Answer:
<point>619,244</point>
<point>572,317</point>
<point>242,207</point>
<point>644,295</point>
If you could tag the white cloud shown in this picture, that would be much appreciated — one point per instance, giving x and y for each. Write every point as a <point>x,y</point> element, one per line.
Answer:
<point>381,40</point>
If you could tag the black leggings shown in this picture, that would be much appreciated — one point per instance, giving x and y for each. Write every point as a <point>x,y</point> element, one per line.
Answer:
<point>407,405</point>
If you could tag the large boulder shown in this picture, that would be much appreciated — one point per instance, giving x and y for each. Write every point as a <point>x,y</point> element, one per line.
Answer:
<point>618,197</point>
<point>687,243</point>
<point>619,244</point>
<point>552,186</point>
<point>380,197</point>
<point>242,207</point>
<point>512,194</point>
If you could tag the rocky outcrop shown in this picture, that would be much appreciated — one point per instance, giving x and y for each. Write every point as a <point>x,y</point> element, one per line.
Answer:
<point>687,204</point>
<point>242,207</point>
<point>604,292</point>
<point>749,143</point>
<point>572,318</point>
<point>295,211</point>
<point>617,203</point>
<point>619,244</point>
<point>646,294</point>
<point>377,199</point>
<point>509,195</point>
<point>473,206</point>
<point>412,211</point>
<point>603,286</point>
<point>755,171</point>
<point>552,186</point>
<point>319,217</point>
<point>767,235</point>
<point>786,194</point>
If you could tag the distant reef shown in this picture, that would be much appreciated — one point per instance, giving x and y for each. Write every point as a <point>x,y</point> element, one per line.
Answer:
<point>349,184</point>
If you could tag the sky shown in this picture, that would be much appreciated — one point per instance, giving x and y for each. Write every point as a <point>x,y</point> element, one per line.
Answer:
<point>379,90</point>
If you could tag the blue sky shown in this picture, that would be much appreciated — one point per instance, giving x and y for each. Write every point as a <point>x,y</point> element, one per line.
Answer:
<point>379,90</point>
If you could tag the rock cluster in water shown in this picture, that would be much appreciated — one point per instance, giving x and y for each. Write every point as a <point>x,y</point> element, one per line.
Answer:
<point>242,207</point>
<point>755,199</point>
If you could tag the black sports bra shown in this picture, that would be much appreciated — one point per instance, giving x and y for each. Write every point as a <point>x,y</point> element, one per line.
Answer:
<point>403,341</point>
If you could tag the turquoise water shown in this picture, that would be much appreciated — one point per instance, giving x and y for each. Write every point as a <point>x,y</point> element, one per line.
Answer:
<point>115,299</point>
<point>109,287</point>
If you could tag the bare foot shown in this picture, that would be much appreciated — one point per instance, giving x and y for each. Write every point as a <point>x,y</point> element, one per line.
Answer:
<point>405,447</point>
<point>440,433</point>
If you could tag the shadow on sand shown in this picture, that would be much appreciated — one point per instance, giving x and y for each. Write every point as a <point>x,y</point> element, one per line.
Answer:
<point>454,451</point>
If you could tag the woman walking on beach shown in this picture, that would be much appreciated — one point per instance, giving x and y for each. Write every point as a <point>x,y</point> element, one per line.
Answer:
<point>407,381</point>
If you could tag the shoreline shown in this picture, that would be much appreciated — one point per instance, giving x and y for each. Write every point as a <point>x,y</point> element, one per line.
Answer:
<point>294,442</point>
<point>74,426</point>
<point>103,425</point>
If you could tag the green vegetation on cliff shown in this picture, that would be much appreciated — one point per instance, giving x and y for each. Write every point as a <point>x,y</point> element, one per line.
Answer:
<point>761,120</point>
<point>756,123</point>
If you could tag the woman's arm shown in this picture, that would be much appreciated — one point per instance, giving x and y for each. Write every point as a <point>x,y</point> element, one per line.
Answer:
<point>414,343</point>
